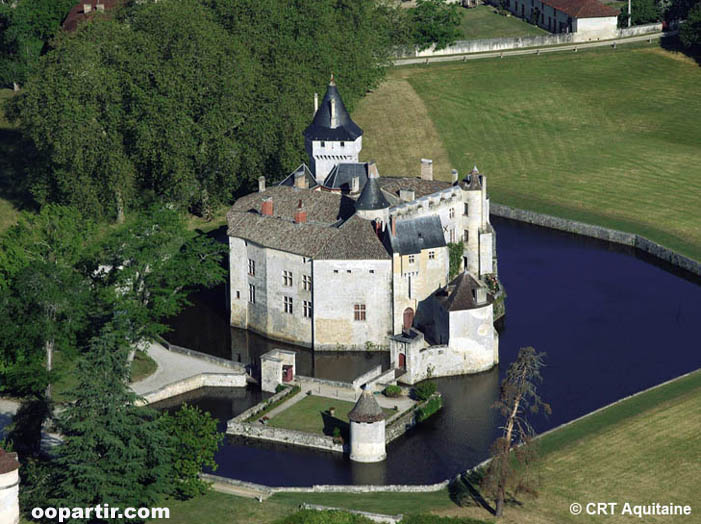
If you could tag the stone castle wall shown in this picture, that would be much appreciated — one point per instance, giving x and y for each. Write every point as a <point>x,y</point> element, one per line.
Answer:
<point>9,497</point>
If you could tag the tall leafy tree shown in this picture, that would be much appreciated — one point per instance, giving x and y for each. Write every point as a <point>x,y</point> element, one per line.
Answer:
<point>147,267</point>
<point>26,26</point>
<point>690,31</point>
<point>196,442</point>
<point>44,296</point>
<point>436,22</point>
<point>513,453</point>
<point>113,452</point>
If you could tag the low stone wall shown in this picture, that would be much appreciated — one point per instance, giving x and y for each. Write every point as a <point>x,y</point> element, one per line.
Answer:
<point>332,383</point>
<point>217,380</point>
<point>241,417</point>
<point>603,233</point>
<point>283,436</point>
<point>387,488</point>
<point>375,517</point>
<point>386,378</point>
<point>397,425</point>
<point>367,377</point>
<point>637,30</point>
<point>202,356</point>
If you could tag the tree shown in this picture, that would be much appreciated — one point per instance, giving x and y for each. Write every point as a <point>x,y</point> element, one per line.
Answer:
<point>513,452</point>
<point>113,452</point>
<point>642,12</point>
<point>26,26</point>
<point>44,297</point>
<point>146,268</point>
<point>436,22</point>
<point>196,442</point>
<point>690,31</point>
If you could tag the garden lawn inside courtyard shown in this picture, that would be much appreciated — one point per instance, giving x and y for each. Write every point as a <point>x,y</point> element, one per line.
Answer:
<point>608,137</point>
<point>311,416</point>
<point>484,22</point>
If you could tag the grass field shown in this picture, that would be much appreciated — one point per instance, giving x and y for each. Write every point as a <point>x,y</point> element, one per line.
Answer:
<point>642,450</point>
<point>310,415</point>
<point>610,137</point>
<point>484,22</point>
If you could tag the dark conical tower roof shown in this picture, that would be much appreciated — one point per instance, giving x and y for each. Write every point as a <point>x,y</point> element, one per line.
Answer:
<point>366,409</point>
<point>322,128</point>
<point>371,196</point>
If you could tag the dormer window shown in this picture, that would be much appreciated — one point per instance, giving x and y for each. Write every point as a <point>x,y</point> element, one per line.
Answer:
<point>323,144</point>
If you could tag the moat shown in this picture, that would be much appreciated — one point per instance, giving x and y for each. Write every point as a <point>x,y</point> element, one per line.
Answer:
<point>611,323</point>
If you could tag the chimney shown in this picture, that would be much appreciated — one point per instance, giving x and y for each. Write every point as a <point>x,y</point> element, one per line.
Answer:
<point>426,169</point>
<point>300,180</point>
<point>87,8</point>
<point>267,208</point>
<point>407,195</point>
<point>300,214</point>
<point>261,184</point>
<point>454,176</point>
<point>334,123</point>
<point>372,170</point>
<point>100,7</point>
<point>355,184</point>
<point>316,102</point>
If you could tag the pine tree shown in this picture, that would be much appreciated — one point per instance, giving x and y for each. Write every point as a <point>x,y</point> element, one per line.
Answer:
<point>114,452</point>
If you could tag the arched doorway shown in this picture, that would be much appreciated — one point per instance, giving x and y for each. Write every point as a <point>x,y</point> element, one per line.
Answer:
<point>408,319</point>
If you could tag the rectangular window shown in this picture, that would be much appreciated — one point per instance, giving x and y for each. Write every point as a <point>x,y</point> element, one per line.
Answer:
<point>307,309</point>
<point>251,293</point>
<point>343,144</point>
<point>465,236</point>
<point>431,255</point>
<point>452,236</point>
<point>238,294</point>
<point>451,213</point>
<point>466,209</point>
<point>323,144</point>
<point>287,278</point>
<point>412,259</point>
<point>307,281</point>
<point>359,312</point>
<point>288,304</point>
<point>251,267</point>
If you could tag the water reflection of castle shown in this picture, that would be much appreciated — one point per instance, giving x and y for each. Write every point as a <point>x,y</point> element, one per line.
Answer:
<point>338,258</point>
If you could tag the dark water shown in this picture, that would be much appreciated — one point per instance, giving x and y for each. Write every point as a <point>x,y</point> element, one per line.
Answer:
<point>611,322</point>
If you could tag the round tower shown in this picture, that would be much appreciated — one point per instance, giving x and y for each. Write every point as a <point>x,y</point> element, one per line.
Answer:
<point>367,430</point>
<point>372,204</point>
<point>332,137</point>
<point>9,488</point>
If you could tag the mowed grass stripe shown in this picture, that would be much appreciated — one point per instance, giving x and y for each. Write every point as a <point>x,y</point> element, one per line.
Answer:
<point>609,137</point>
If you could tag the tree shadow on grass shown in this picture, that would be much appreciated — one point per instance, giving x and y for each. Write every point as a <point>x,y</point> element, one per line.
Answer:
<point>331,422</point>
<point>672,43</point>
<point>464,491</point>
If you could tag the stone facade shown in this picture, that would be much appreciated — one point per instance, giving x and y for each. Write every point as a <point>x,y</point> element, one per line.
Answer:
<point>276,367</point>
<point>347,270</point>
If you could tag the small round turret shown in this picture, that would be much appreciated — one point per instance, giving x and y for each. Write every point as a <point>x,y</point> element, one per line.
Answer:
<point>367,430</point>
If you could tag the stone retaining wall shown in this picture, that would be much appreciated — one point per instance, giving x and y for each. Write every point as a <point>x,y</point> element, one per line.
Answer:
<point>241,417</point>
<point>283,436</point>
<point>367,377</point>
<point>400,424</point>
<point>386,378</point>
<point>324,382</point>
<point>219,380</point>
<point>375,517</point>
<point>603,233</point>
<point>202,356</point>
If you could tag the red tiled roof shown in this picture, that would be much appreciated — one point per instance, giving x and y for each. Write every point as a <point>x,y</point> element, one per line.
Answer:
<point>582,8</point>
<point>77,13</point>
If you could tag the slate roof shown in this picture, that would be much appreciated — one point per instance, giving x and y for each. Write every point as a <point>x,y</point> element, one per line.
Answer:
<point>320,128</point>
<point>582,8</point>
<point>366,409</point>
<point>459,296</point>
<point>8,462</point>
<point>290,179</point>
<point>419,233</point>
<point>331,230</point>
<point>371,196</point>
<point>355,239</point>
<point>342,174</point>
<point>421,187</point>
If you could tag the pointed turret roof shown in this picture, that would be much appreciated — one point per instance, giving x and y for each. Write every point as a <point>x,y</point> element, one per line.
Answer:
<point>342,128</point>
<point>371,196</point>
<point>366,409</point>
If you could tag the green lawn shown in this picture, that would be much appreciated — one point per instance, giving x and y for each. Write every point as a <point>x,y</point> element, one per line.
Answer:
<point>609,137</point>
<point>311,415</point>
<point>484,22</point>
